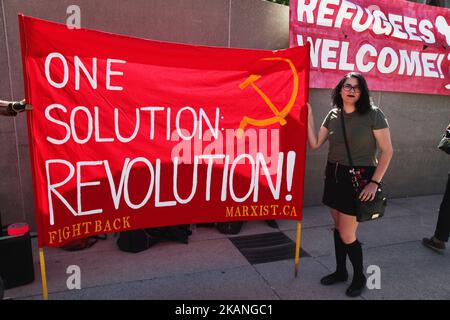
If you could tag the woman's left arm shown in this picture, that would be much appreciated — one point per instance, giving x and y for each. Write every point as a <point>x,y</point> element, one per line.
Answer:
<point>383,138</point>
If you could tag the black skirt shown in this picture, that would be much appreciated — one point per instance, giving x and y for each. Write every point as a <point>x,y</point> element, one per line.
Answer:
<point>339,193</point>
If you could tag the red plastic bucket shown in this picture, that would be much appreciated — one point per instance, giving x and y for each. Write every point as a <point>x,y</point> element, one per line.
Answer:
<point>18,229</point>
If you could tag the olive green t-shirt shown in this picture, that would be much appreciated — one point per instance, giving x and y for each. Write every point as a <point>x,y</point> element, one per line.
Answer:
<point>359,128</point>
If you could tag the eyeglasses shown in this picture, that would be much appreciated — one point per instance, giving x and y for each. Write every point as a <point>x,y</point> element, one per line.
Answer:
<point>348,87</point>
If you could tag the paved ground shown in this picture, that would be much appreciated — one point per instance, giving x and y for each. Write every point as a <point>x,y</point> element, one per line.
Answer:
<point>211,267</point>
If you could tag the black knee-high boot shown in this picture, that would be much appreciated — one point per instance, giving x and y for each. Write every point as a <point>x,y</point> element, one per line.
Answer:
<point>341,274</point>
<point>358,284</point>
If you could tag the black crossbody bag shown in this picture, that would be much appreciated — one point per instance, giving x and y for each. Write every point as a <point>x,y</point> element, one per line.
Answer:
<point>365,210</point>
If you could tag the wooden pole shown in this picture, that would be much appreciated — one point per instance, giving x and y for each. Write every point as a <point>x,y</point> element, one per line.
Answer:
<point>297,247</point>
<point>43,274</point>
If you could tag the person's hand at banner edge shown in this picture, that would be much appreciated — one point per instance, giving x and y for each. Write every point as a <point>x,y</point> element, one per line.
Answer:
<point>315,140</point>
<point>12,108</point>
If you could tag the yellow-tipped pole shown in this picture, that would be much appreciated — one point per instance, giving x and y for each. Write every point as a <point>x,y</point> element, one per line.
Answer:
<point>297,247</point>
<point>43,274</point>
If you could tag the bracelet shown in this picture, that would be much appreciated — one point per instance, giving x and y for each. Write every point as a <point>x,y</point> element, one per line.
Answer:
<point>376,182</point>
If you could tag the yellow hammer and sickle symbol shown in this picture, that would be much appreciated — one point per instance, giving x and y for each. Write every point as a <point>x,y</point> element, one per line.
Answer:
<point>278,115</point>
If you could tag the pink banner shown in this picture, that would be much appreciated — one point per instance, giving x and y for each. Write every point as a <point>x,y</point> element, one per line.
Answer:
<point>397,45</point>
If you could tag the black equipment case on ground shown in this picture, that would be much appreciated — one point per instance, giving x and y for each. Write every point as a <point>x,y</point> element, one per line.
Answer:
<point>16,259</point>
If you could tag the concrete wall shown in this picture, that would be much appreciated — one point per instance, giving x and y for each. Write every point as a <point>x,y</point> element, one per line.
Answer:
<point>416,120</point>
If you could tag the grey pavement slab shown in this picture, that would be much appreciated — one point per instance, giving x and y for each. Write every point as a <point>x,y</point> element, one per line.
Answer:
<point>101,267</point>
<point>280,276</point>
<point>408,271</point>
<point>422,204</point>
<point>312,217</point>
<point>394,230</point>
<point>403,226</point>
<point>284,225</point>
<point>315,241</point>
<point>211,267</point>
<point>239,283</point>
<point>394,209</point>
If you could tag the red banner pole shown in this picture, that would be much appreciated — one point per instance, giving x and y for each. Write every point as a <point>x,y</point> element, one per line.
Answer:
<point>297,247</point>
<point>43,274</point>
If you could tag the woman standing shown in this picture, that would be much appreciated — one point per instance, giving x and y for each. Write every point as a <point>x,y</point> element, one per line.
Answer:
<point>442,231</point>
<point>366,127</point>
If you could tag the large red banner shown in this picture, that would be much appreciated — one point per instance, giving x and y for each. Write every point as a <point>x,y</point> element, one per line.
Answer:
<point>128,133</point>
<point>397,45</point>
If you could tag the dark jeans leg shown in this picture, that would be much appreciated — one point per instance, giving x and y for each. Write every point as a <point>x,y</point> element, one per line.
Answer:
<point>443,224</point>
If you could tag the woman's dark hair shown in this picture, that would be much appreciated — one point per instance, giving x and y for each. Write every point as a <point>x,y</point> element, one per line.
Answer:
<point>364,103</point>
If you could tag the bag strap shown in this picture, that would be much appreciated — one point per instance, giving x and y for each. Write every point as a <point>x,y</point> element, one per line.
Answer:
<point>345,139</point>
